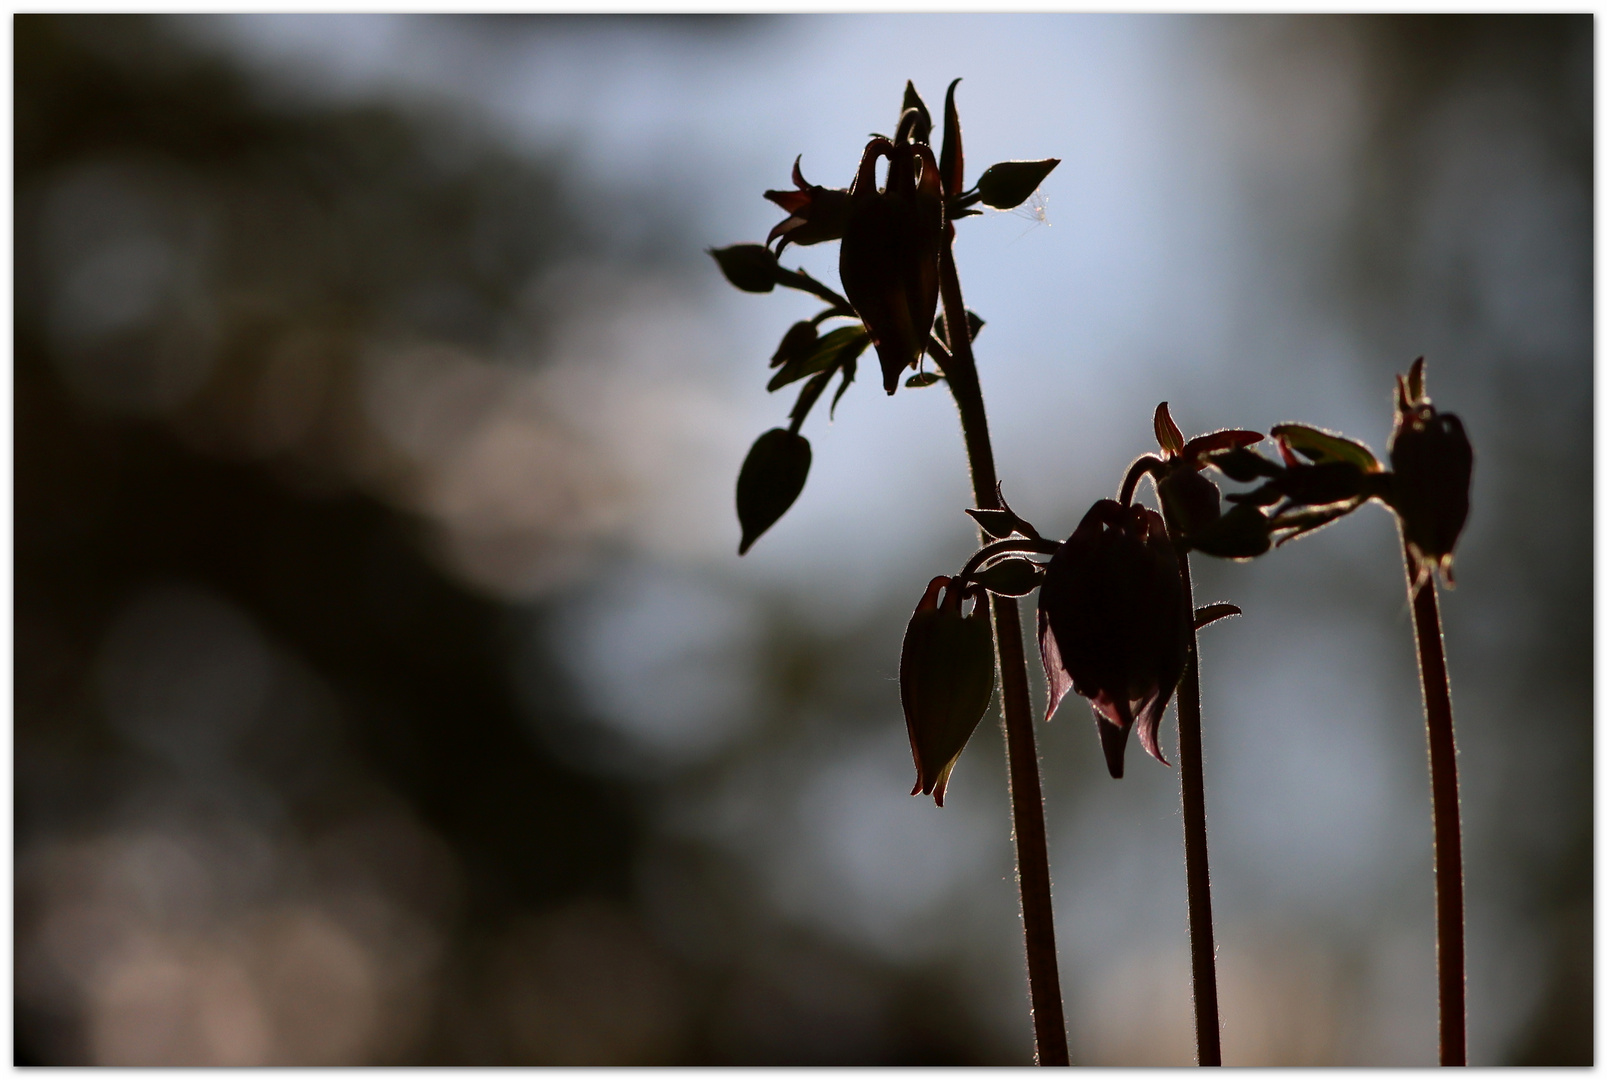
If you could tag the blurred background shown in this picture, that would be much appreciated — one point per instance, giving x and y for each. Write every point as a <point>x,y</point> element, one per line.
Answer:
<point>387,686</point>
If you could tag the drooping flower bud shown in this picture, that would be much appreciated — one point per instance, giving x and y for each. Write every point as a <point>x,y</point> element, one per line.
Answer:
<point>945,681</point>
<point>815,213</point>
<point>1433,465</point>
<point>892,243</point>
<point>1113,624</point>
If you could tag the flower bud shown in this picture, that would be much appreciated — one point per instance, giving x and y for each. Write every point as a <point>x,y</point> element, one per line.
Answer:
<point>1113,624</point>
<point>892,243</point>
<point>1433,464</point>
<point>815,213</point>
<point>945,681</point>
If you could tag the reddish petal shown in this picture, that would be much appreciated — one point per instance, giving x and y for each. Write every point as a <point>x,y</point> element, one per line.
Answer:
<point>1053,670</point>
<point>1149,728</point>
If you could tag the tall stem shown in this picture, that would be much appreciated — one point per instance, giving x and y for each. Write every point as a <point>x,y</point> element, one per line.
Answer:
<point>1447,813</point>
<point>1026,792</point>
<point>1191,767</point>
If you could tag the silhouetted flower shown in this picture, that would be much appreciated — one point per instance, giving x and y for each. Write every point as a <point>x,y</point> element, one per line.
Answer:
<point>892,244</point>
<point>1113,624</point>
<point>945,679</point>
<point>816,213</point>
<point>1433,465</point>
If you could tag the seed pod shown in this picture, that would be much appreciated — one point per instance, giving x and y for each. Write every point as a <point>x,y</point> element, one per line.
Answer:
<point>945,681</point>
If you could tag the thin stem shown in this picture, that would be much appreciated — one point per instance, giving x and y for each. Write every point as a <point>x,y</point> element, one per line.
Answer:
<point>1026,791</point>
<point>1191,767</point>
<point>1447,813</point>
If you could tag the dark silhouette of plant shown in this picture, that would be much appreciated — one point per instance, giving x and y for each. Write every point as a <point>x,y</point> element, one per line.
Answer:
<point>1323,477</point>
<point>896,264</point>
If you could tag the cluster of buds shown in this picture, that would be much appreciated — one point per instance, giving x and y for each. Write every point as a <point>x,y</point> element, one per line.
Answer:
<point>1113,617</point>
<point>890,263</point>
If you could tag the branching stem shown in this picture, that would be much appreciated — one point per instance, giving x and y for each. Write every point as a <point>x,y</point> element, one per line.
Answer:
<point>1026,791</point>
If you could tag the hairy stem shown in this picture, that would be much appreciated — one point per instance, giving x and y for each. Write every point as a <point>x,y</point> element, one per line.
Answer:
<point>1447,813</point>
<point>1026,792</point>
<point>1191,768</point>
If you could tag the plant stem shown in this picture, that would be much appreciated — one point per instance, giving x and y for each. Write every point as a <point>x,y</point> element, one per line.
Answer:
<point>1447,813</point>
<point>1191,768</point>
<point>1026,792</point>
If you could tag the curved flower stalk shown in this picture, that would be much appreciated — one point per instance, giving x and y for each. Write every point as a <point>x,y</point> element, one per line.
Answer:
<point>1321,478</point>
<point>897,265</point>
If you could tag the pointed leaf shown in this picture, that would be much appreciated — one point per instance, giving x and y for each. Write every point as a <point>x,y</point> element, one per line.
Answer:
<point>999,524</point>
<point>923,378</point>
<point>1011,577</point>
<point>1008,184</point>
<point>1319,446</point>
<point>750,267</point>
<point>771,478</point>
<point>951,161</point>
<point>1210,613</point>
<point>799,341</point>
<point>922,132</point>
<point>809,395</point>
<point>827,353</point>
<point>972,319</point>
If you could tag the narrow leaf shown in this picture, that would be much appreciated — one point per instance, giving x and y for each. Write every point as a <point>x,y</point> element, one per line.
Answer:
<point>1008,184</point>
<point>798,341</point>
<point>771,478</point>
<point>972,319</point>
<point>1210,613</point>
<point>827,353</point>
<point>1319,446</point>
<point>922,378</point>
<point>999,524</point>
<point>849,369</point>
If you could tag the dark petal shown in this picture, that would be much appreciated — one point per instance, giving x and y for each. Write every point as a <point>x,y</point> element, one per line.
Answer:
<point>922,132</point>
<point>1054,672</point>
<point>951,162</point>
<point>790,201</point>
<point>1113,739</point>
<point>1149,726</point>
